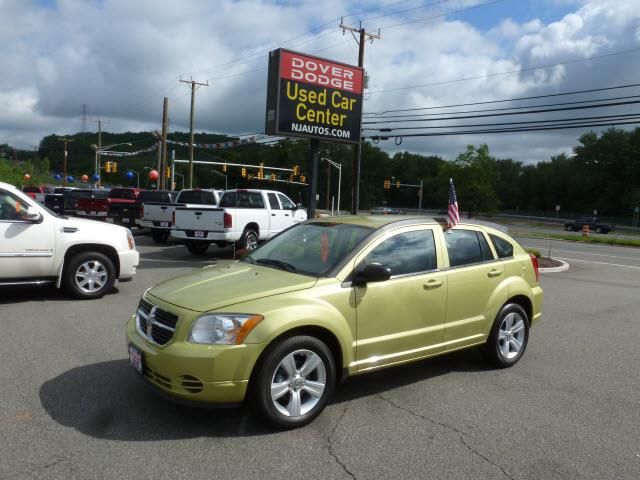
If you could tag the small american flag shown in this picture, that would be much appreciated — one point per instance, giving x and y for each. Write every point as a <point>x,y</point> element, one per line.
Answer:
<point>454,215</point>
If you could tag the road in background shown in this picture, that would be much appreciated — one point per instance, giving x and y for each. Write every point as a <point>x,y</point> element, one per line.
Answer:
<point>73,408</point>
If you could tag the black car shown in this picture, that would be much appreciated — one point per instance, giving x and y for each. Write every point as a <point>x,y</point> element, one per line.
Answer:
<point>594,223</point>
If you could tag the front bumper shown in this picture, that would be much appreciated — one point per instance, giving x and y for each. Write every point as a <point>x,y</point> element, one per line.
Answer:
<point>129,260</point>
<point>201,374</point>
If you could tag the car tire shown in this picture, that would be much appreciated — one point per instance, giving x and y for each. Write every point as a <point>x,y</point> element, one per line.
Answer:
<point>160,236</point>
<point>598,230</point>
<point>508,338</point>
<point>197,248</point>
<point>568,228</point>
<point>89,275</point>
<point>284,394</point>
<point>249,240</point>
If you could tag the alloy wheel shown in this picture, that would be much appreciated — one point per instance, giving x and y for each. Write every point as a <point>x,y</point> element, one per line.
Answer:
<point>511,335</point>
<point>298,383</point>
<point>91,276</point>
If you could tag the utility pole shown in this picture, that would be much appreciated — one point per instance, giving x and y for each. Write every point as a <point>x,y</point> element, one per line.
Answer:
<point>164,163</point>
<point>66,141</point>
<point>357,148</point>
<point>35,160</point>
<point>98,150</point>
<point>328,185</point>
<point>193,85</point>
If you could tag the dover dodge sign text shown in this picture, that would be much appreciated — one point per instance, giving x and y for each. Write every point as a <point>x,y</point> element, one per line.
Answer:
<point>312,97</point>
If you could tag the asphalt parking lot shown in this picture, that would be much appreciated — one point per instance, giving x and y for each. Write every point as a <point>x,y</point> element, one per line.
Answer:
<point>73,408</point>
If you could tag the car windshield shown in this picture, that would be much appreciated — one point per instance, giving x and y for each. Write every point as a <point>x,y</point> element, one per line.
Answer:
<point>310,248</point>
<point>122,193</point>
<point>148,196</point>
<point>202,197</point>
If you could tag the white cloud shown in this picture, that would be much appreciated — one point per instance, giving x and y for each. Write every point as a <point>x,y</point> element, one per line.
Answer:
<point>120,58</point>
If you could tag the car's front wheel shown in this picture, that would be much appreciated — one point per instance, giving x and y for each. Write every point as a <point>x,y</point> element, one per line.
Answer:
<point>509,336</point>
<point>598,230</point>
<point>89,275</point>
<point>294,381</point>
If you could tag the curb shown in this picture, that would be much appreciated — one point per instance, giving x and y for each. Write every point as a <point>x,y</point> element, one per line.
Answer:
<point>561,268</point>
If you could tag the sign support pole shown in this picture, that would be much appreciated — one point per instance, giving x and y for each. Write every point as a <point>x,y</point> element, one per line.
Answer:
<point>314,154</point>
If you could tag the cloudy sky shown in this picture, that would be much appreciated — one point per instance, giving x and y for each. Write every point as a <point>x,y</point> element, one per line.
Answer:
<point>120,57</point>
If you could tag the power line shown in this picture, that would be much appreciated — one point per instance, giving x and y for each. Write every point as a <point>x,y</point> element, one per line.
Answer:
<point>545,110</point>
<point>504,100</point>
<point>509,72</point>
<point>626,116</point>
<point>576,102</point>
<point>503,130</point>
<point>427,5</point>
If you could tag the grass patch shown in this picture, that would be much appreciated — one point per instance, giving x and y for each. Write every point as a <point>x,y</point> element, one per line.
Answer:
<point>623,242</point>
<point>534,251</point>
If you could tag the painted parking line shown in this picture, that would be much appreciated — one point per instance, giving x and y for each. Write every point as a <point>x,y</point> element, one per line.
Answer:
<point>600,263</point>
<point>588,253</point>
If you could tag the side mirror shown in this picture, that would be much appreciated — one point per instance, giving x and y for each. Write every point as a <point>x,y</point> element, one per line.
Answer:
<point>33,215</point>
<point>372,272</point>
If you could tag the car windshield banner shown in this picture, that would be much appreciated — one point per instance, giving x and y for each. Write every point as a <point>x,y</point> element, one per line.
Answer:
<point>312,97</point>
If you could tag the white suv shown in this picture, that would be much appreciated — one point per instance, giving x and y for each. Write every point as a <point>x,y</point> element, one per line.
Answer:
<point>37,247</point>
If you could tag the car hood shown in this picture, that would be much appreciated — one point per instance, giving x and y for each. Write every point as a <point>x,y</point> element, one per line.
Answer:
<point>215,287</point>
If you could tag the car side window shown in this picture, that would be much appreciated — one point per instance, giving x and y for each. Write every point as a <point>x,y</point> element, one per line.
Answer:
<point>406,253</point>
<point>286,203</point>
<point>273,201</point>
<point>503,248</point>
<point>12,208</point>
<point>464,247</point>
<point>484,247</point>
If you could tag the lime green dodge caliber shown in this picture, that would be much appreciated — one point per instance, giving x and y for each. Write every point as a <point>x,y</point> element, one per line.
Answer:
<point>330,298</point>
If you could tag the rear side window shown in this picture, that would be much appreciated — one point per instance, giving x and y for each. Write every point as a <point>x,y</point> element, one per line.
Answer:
<point>406,253</point>
<point>273,201</point>
<point>122,193</point>
<point>242,200</point>
<point>466,247</point>
<point>201,197</point>
<point>503,248</point>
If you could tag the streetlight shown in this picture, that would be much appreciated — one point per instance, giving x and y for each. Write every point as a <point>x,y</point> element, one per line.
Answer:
<point>97,159</point>
<point>339,167</point>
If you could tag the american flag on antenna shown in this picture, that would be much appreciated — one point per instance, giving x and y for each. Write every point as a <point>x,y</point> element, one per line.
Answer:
<point>454,214</point>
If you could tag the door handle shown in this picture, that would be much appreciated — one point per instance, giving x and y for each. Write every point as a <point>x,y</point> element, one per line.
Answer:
<point>286,214</point>
<point>432,284</point>
<point>273,214</point>
<point>494,273</point>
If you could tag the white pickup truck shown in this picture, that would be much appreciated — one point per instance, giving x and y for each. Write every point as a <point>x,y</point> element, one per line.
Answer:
<point>244,218</point>
<point>158,215</point>
<point>39,247</point>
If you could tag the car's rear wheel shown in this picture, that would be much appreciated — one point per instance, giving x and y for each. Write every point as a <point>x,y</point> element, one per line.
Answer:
<point>197,248</point>
<point>294,381</point>
<point>249,240</point>
<point>89,275</point>
<point>598,230</point>
<point>160,236</point>
<point>508,337</point>
<point>568,228</point>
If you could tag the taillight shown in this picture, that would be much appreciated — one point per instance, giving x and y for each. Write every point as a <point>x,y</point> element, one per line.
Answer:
<point>228,220</point>
<point>536,269</point>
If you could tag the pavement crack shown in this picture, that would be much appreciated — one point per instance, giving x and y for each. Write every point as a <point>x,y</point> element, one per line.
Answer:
<point>330,444</point>
<point>462,436</point>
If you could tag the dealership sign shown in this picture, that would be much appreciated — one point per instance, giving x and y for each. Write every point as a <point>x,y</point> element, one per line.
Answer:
<point>314,98</point>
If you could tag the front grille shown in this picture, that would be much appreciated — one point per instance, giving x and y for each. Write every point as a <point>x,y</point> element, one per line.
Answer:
<point>159,379</point>
<point>155,324</point>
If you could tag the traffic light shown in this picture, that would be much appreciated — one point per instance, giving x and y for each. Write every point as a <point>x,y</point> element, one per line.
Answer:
<point>296,170</point>
<point>244,172</point>
<point>167,172</point>
<point>274,177</point>
<point>387,184</point>
<point>261,172</point>
<point>303,179</point>
<point>398,184</point>
<point>224,168</point>
<point>107,167</point>
<point>114,167</point>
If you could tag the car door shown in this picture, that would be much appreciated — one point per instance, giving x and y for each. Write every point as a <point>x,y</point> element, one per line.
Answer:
<point>26,248</point>
<point>280,218</point>
<point>473,278</point>
<point>402,318</point>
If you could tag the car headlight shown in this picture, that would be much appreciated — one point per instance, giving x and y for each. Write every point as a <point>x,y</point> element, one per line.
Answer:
<point>223,328</point>
<point>130,239</point>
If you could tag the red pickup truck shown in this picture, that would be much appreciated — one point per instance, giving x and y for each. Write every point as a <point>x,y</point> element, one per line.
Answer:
<point>123,207</point>
<point>95,206</point>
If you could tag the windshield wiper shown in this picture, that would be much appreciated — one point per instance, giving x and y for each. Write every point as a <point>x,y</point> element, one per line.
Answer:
<point>277,263</point>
